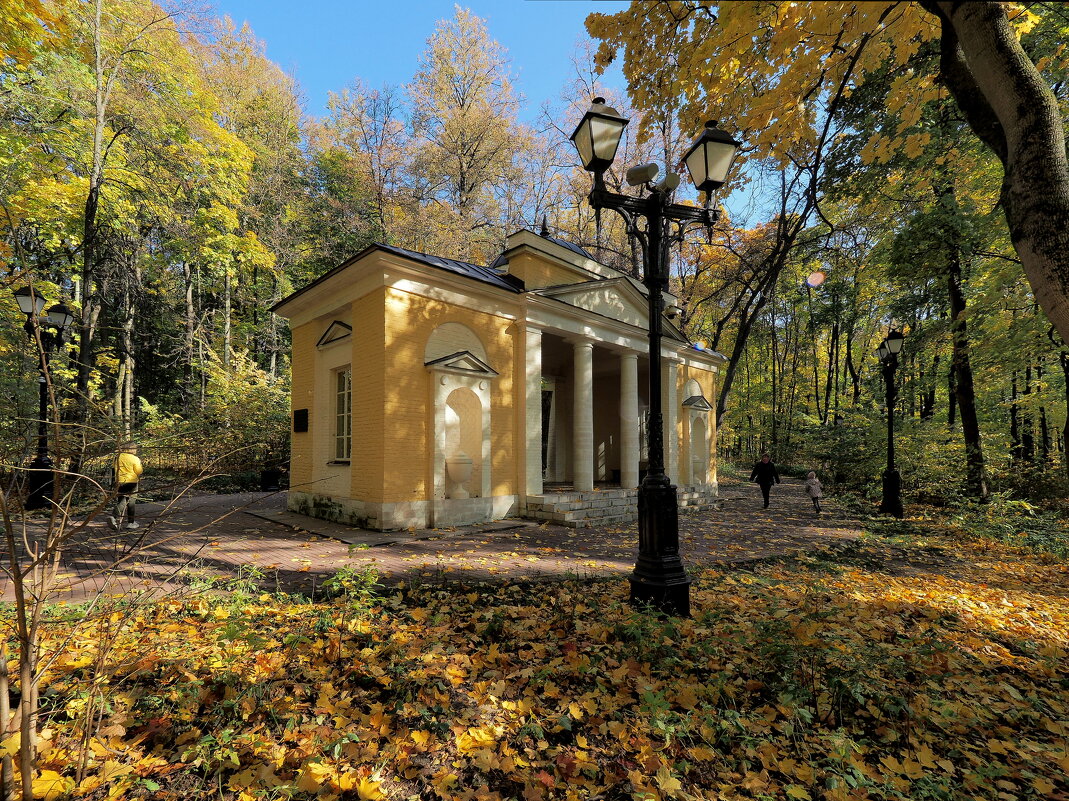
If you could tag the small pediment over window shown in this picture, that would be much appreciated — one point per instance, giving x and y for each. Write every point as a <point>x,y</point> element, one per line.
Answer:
<point>335,332</point>
<point>697,402</point>
<point>465,362</point>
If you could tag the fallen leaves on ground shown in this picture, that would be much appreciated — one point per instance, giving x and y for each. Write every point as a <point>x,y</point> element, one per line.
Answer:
<point>820,678</point>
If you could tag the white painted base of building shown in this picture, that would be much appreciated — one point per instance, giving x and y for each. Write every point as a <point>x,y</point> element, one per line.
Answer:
<point>610,506</point>
<point>403,515</point>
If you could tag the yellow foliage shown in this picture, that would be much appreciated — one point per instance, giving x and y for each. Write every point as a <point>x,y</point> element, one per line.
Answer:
<point>786,681</point>
<point>50,785</point>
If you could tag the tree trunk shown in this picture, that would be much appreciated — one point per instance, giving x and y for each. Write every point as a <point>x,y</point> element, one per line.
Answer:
<point>188,334</point>
<point>90,297</point>
<point>741,336</point>
<point>830,378</point>
<point>1063,360</point>
<point>1028,441</point>
<point>122,403</point>
<point>226,319</point>
<point>276,296</point>
<point>1013,110</point>
<point>852,371</point>
<point>1016,453</point>
<point>952,399</point>
<point>976,477</point>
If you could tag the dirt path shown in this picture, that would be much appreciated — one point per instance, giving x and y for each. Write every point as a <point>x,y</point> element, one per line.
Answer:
<point>223,537</point>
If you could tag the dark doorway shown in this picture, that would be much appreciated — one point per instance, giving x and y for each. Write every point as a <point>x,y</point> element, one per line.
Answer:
<point>547,412</point>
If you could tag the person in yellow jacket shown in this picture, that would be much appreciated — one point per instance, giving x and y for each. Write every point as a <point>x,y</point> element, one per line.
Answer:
<point>128,470</point>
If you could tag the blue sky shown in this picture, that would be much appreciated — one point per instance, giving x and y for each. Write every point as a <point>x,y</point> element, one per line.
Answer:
<point>328,43</point>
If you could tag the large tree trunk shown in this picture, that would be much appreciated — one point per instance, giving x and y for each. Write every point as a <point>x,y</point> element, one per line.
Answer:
<point>1009,105</point>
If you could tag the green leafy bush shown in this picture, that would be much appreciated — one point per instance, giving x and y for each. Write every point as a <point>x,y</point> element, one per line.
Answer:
<point>242,427</point>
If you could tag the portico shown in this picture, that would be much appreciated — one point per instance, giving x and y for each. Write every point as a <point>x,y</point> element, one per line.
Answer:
<point>516,388</point>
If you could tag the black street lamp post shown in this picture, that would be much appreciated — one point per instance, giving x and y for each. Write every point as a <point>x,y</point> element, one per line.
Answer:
<point>892,480</point>
<point>49,328</point>
<point>659,578</point>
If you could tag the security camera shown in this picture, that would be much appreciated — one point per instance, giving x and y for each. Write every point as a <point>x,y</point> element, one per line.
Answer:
<point>642,174</point>
<point>668,184</point>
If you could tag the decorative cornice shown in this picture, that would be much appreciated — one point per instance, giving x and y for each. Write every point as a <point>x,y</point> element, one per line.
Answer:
<point>463,362</point>
<point>335,332</point>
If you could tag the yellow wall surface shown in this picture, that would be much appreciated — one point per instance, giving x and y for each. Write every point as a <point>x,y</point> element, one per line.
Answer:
<point>302,396</point>
<point>538,272</point>
<point>409,321</point>
<point>370,429</point>
<point>707,381</point>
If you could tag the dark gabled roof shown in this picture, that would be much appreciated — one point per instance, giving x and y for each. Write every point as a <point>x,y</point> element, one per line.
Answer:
<point>479,273</point>
<point>484,274</point>
<point>574,248</point>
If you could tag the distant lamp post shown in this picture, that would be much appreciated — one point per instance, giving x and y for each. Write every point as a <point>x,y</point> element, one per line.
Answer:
<point>888,353</point>
<point>659,578</point>
<point>50,327</point>
<point>815,279</point>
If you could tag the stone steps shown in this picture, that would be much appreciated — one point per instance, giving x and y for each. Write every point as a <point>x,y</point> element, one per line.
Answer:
<point>606,506</point>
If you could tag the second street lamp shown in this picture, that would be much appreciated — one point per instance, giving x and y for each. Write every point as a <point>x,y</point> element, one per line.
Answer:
<point>659,578</point>
<point>50,328</point>
<point>887,353</point>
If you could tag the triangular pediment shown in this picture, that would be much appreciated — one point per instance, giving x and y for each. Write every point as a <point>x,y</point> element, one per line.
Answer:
<point>463,361</point>
<point>698,403</point>
<point>336,331</point>
<point>621,299</point>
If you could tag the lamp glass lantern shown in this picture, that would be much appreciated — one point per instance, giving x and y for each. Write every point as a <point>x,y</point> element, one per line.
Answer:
<point>60,316</point>
<point>710,158</point>
<point>883,351</point>
<point>30,302</point>
<point>597,136</point>
<point>894,342</point>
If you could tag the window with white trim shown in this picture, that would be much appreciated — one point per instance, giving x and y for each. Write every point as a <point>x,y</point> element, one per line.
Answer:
<point>343,425</point>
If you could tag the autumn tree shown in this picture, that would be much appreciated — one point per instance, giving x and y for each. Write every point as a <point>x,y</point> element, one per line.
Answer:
<point>1012,108</point>
<point>260,105</point>
<point>790,55</point>
<point>464,112</point>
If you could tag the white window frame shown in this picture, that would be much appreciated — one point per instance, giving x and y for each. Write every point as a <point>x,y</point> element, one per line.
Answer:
<point>343,413</point>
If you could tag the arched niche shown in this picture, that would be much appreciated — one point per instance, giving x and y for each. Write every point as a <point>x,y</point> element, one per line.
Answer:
<point>699,451</point>
<point>461,391</point>
<point>697,409</point>
<point>450,338</point>
<point>464,436</point>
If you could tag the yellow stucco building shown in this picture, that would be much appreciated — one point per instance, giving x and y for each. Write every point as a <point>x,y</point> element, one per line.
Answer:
<point>430,392</point>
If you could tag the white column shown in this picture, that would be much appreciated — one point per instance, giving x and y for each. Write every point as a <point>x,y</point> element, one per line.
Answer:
<point>671,416</point>
<point>533,412</point>
<point>629,477</point>
<point>583,416</point>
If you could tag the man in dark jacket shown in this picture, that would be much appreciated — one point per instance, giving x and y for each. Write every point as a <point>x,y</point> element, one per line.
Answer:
<point>765,474</point>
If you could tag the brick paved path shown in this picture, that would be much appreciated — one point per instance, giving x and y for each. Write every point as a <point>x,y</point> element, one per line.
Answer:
<point>215,537</point>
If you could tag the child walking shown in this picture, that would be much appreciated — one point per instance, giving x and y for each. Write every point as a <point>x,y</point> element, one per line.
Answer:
<point>813,489</point>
